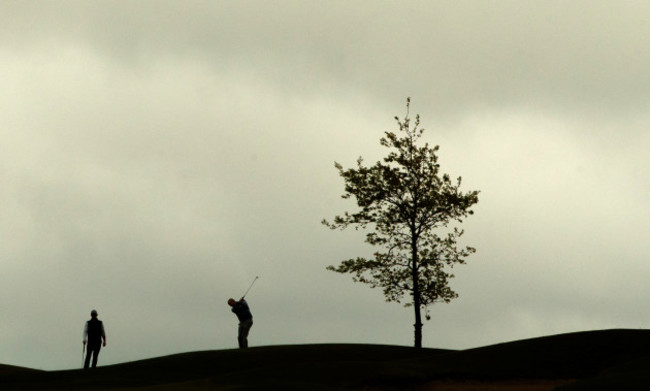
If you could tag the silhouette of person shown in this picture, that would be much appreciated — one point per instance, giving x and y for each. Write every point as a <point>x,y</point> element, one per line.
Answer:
<point>240,308</point>
<point>94,335</point>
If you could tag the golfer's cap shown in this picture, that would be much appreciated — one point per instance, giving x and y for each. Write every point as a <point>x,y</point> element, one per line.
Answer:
<point>93,312</point>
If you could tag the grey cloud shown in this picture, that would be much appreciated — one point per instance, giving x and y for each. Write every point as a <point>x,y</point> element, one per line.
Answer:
<point>156,156</point>
<point>589,55</point>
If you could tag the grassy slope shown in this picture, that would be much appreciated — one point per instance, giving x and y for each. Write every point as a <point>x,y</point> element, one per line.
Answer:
<point>613,356</point>
<point>632,375</point>
<point>275,367</point>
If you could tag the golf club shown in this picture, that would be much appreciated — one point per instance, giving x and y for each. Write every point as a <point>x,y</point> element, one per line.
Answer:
<point>249,288</point>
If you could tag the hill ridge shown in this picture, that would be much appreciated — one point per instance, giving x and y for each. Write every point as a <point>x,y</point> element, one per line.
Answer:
<point>333,366</point>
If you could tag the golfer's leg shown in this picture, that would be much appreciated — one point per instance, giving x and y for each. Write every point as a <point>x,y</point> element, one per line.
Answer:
<point>96,353</point>
<point>240,333</point>
<point>246,328</point>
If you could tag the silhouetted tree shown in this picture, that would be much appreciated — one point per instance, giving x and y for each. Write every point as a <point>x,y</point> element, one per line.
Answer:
<point>408,206</point>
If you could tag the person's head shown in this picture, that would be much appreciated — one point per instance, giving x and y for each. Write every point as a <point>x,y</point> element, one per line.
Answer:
<point>231,302</point>
<point>93,313</point>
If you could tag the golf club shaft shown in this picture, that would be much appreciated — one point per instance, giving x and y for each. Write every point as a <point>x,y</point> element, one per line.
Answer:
<point>249,288</point>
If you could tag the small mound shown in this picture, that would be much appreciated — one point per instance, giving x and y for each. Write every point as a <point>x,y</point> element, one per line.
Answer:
<point>8,370</point>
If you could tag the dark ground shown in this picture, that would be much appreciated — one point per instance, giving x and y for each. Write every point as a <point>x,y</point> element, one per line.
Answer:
<point>596,360</point>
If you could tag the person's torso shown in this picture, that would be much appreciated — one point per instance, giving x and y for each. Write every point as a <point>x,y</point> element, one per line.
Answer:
<point>95,330</point>
<point>242,311</point>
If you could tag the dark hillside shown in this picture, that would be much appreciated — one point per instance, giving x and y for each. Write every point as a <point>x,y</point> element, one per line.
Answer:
<point>274,367</point>
<point>610,356</point>
<point>10,373</point>
<point>10,369</point>
<point>7,371</point>
<point>633,375</point>
<point>574,355</point>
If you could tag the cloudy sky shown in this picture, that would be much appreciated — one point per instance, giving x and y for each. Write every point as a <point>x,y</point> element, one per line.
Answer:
<point>156,156</point>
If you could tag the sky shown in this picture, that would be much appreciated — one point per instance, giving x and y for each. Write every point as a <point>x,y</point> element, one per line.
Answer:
<point>157,156</point>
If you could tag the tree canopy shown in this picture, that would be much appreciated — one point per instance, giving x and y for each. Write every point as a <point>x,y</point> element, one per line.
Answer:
<point>407,205</point>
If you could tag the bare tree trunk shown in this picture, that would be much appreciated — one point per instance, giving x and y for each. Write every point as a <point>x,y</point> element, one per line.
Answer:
<point>418,328</point>
<point>416,296</point>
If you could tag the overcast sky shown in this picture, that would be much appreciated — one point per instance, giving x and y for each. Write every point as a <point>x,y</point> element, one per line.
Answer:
<point>156,156</point>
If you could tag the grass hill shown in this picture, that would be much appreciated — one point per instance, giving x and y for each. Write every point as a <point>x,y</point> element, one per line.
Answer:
<point>609,359</point>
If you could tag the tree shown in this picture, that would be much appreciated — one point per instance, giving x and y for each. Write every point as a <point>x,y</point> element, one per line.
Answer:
<point>407,206</point>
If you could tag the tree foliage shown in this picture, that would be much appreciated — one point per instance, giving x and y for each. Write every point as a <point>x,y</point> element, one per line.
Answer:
<point>407,205</point>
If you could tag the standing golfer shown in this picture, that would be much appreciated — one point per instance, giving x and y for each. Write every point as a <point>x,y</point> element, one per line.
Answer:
<point>240,308</point>
<point>94,335</point>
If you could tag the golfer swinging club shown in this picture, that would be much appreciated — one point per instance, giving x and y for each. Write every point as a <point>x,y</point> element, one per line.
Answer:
<point>240,308</point>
